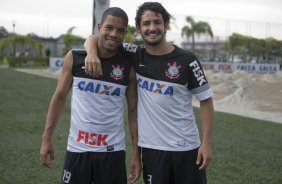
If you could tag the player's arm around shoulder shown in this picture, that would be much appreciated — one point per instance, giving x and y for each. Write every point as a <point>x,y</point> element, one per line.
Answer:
<point>93,65</point>
<point>207,118</point>
<point>55,109</point>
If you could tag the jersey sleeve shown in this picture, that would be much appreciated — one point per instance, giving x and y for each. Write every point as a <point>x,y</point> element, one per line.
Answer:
<point>197,81</point>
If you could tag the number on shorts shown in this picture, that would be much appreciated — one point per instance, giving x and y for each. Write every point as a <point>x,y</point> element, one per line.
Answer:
<point>149,179</point>
<point>66,176</point>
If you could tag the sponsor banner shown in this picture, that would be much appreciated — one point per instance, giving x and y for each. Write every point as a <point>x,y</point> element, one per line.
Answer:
<point>215,66</point>
<point>56,62</point>
<point>225,67</point>
<point>208,66</point>
<point>259,68</point>
<point>229,67</point>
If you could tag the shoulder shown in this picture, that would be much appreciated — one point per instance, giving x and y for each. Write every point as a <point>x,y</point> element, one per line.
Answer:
<point>68,61</point>
<point>187,55</point>
<point>130,47</point>
<point>184,57</point>
<point>78,55</point>
<point>79,52</point>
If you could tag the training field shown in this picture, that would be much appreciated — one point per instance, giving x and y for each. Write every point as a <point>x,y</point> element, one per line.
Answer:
<point>245,150</point>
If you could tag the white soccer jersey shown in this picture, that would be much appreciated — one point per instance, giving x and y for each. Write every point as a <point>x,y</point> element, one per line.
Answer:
<point>97,106</point>
<point>166,85</point>
<point>165,115</point>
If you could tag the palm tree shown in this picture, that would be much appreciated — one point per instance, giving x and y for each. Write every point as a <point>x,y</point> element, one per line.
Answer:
<point>195,28</point>
<point>70,39</point>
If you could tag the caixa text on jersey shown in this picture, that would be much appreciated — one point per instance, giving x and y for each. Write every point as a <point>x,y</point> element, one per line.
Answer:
<point>98,88</point>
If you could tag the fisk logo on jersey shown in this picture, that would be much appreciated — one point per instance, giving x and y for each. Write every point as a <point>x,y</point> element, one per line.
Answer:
<point>117,72</point>
<point>98,88</point>
<point>155,87</point>
<point>198,73</point>
<point>92,138</point>
<point>173,71</point>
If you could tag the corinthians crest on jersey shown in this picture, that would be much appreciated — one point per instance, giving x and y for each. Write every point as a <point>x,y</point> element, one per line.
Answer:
<point>173,71</point>
<point>117,72</point>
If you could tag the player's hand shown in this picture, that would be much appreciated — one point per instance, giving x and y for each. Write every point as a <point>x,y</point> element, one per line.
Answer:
<point>93,65</point>
<point>47,153</point>
<point>135,168</point>
<point>204,156</point>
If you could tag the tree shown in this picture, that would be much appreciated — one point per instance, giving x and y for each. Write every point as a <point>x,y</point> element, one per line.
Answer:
<point>236,45</point>
<point>70,39</point>
<point>17,39</point>
<point>132,36</point>
<point>253,49</point>
<point>273,49</point>
<point>256,49</point>
<point>3,32</point>
<point>195,28</point>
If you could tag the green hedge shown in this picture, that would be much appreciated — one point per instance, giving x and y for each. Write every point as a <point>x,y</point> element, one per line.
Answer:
<point>26,61</point>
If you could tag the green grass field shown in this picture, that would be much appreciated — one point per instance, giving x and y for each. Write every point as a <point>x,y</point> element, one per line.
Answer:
<point>245,151</point>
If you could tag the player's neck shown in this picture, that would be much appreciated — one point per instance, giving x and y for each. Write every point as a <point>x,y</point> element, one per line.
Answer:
<point>160,49</point>
<point>103,53</point>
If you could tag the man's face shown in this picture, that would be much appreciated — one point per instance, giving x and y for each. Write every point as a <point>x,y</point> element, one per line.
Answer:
<point>152,28</point>
<point>112,33</point>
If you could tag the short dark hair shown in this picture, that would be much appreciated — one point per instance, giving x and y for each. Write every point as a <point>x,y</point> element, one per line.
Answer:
<point>116,12</point>
<point>154,7</point>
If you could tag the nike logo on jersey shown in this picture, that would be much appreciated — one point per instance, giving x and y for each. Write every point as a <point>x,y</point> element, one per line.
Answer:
<point>155,87</point>
<point>98,88</point>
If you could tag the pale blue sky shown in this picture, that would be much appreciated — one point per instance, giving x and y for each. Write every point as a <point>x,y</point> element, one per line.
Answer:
<point>54,17</point>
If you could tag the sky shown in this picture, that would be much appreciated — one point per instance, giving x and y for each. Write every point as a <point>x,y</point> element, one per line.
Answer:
<point>51,18</point>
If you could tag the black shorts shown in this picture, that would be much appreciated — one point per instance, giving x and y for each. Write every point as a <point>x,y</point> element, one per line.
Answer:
<point>171,167</point>
<point>96,167</point>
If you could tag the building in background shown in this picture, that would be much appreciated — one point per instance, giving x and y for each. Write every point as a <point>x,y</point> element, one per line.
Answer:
<point>50,47</point>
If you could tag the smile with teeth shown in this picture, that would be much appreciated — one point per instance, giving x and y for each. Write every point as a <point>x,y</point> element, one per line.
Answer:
<point>153,33</point>
<point>111,41</point>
